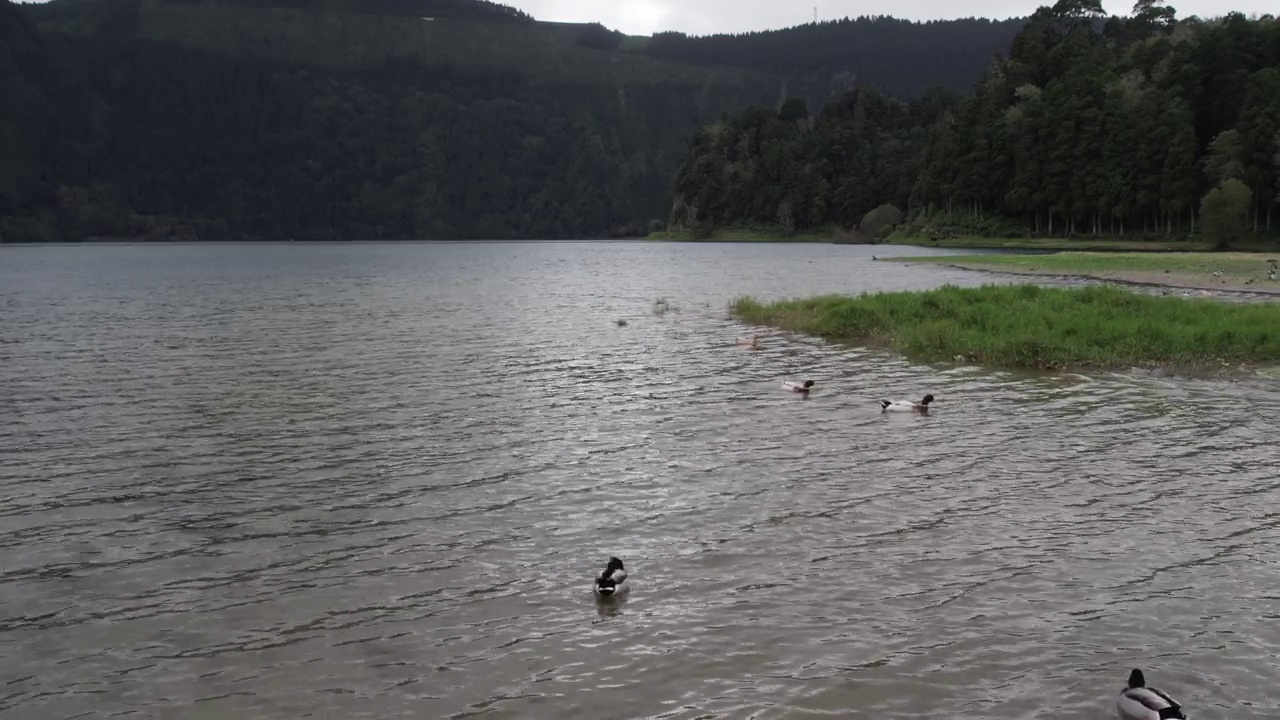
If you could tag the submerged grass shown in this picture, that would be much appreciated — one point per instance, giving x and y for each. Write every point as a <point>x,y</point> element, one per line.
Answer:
<point>1206,270</point>
<point>1028,326</point>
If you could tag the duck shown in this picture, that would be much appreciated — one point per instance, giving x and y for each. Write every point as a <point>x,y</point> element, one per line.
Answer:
<point>797,387</point>
<point>1139,702</point>
<point>752,342</point>
<point>906,405</point>
<point>613,581</point>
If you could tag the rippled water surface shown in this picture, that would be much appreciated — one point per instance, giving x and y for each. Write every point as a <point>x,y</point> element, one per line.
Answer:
<point>374,481</point>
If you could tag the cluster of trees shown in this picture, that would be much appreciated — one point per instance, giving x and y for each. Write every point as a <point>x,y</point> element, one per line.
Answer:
<point>1089,125</point>
<point>328,119</point>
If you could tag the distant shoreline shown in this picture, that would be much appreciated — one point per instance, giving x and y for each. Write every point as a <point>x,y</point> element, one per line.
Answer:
<point>972,242</point>
<point>1232,272</point>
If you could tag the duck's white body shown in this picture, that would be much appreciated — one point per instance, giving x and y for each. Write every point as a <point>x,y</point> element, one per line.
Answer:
<point>798,387</point>
<point>613,581</point>
<point>1139,702</point>
<point>906,405</point>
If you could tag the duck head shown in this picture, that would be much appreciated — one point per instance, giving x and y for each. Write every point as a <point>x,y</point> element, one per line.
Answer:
<point>1136,680</point>
<point>808,384</point>
<point>614,564</point>
<point>927,399</point>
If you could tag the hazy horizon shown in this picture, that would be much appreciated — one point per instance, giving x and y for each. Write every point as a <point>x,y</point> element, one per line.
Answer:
<point>707,17</point>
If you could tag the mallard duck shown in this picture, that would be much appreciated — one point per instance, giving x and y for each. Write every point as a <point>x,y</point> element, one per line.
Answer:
<point>1139,702</point>
<point>752,342</point>
<point>613,581</point>
<point>797,387</point>
<point>906,405</point>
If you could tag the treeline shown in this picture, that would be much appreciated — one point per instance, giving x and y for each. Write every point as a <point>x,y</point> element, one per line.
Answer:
<point>1089,125</point>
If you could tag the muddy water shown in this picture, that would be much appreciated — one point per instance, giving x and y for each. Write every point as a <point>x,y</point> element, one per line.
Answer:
<point>287,481</point>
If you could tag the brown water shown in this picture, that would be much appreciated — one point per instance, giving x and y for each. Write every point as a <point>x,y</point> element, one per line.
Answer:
<point>375,481</point>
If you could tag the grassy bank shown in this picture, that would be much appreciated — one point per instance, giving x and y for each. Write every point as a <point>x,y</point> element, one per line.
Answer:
<point>1215,271</point>
<point>743,236</point>
<point>1027,326</point>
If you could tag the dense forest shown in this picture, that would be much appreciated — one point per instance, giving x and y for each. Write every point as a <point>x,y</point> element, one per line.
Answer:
<point>894,57</point>
<point>390,119</point>
<point>1089,125</point>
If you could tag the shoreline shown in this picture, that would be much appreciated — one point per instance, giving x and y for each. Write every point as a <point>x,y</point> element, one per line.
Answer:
<point>1153,244</point>
<point>1237,273</point>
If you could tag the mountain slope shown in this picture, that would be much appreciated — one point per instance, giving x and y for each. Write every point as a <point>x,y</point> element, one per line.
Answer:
<point>336,119</point>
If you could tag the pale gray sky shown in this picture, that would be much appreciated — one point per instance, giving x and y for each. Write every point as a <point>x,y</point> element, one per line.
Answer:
<point>703,17</point>
<point>706,17</point>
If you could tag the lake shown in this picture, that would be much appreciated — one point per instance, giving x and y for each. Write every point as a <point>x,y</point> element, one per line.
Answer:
<point>375,481</point>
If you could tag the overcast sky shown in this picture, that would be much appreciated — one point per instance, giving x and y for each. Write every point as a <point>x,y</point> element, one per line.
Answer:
<point>705,17</point>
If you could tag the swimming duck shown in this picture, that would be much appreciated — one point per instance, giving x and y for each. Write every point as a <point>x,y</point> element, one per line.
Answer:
<point>613,581</point>
<point>752,342</point>
<point>1139,702</point>
<point>797,387</point>
<point>906,405</point>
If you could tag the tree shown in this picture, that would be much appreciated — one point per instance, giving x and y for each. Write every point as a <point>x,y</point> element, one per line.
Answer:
<point>794,110</point>
<point>1148,14</point>
<point>1224,213</point>
<point>880,222</point>
<point>1276,162</point>
<point>1223,160</point>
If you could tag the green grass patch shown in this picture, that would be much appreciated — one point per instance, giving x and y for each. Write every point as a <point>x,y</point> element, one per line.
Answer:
<point>1028,326</point>
<point>1247,271</point>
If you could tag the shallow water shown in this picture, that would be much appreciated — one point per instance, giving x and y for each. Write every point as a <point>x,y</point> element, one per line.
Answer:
<point>374,481</point>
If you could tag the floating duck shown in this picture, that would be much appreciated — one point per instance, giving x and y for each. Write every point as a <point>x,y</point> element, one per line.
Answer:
<point>613,581</point>
<point>752,342</point>
<point>906,405</point>
<point>1139,702</point>
<point>622,323</point>
<point>797,387</point>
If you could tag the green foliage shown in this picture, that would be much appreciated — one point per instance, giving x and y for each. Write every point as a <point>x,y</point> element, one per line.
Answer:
<point>793,110</point>
<point>1224,212</point>
<point>1027,326</point>
<point>1090,128</point>
<point>1222,162</point>
<point>880,222</point>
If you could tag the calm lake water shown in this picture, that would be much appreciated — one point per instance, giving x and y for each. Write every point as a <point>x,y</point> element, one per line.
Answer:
<point>375,481</point>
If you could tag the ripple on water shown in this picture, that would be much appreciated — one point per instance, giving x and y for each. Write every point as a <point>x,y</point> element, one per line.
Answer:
<point>375,480</point>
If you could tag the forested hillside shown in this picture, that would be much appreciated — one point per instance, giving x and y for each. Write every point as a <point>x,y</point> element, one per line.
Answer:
<point>1089,125</point>
<point>327,119</point>
<point>895,57</point>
